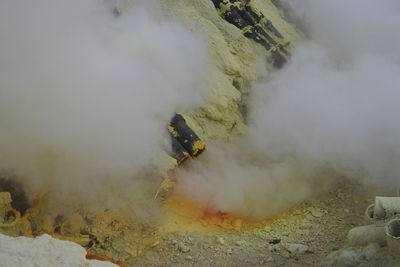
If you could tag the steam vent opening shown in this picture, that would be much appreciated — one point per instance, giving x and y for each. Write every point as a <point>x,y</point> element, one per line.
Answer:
<point>20,202</point>
<point>393,229</point>
<point>199,133</point>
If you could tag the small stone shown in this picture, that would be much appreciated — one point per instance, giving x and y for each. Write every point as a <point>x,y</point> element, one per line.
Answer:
<point>189,258</point>
<point>183,248</point>
<point>165,190</point>
<point>267,229</point>
<point>273,248</point>
<point>265,260</point>
<point>220,241</point>
<point>298,212</point>
<point>285,255</point>
<point>311,250</point>
<point>346,210</point>
<point>315,212</point>
<point>309,217</point>
<point>306,225</point>
<point>305,232</point>
<point>156,243</point>
<point>240,243</point>
<point>294,248</point>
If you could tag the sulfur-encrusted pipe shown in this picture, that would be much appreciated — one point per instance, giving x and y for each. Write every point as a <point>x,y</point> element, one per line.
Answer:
<point>386,208</point>
<point>369,214</point>
<point>392,231</point>
<point>186,137</point>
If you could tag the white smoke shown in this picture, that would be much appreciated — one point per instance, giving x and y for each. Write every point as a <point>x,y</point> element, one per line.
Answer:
<point>336,102</point>
<point>86,95</point>
<point>333,110</point>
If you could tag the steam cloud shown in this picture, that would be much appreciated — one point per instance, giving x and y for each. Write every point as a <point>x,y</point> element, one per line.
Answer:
<point>333,110</point>
<point>85,96</point>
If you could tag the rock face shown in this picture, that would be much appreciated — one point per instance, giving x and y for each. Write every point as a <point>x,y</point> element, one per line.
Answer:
<point>43,251</point>
<point>235,61</point>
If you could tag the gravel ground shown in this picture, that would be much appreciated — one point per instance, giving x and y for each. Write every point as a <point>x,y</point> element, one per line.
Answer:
<point>312,233</point>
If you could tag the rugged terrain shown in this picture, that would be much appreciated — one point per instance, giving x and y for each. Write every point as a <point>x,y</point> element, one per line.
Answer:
<point>301,236</point>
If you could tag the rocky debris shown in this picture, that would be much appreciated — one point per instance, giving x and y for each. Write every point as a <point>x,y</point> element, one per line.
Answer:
<point>274,248</point>
<point>251,245</point>
<point>165,189</point>
<point>189,258</point>
<point>368,245</point>
<point>43,251</point>
<point>240,243</point>
<point>305,225</point>
<point>341,196</point>
<point>343,258</point>
<point>294,248</point>
<point>371,255</point>
<point>315,212</point>
<point>182,247</point>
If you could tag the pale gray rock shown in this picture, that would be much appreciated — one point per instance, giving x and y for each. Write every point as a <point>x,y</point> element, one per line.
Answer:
<point>369,252</point>
<point>44,251</point>
<point>294,248</point>
<point>365,235</point>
